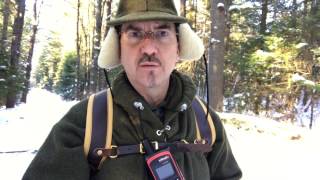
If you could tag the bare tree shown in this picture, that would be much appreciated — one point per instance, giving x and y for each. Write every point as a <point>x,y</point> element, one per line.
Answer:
<point>86,55</point>
<point>78,42</point>
<point>108,2</point>
<point>4,36</point>
<point>216,54</point>
<point>263,19</point>
<point>96,46</point>
<point>36,15</point>
<point>15,53</point>
<point>228,25</point>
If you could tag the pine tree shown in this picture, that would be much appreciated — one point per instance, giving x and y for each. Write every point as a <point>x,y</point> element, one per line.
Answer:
<point>66,84</point>
<point>46,72</point>
<point>13,86</point>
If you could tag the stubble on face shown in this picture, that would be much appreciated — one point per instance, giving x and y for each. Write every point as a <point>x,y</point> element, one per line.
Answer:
<point>151,76</point>
<point>151,80</point>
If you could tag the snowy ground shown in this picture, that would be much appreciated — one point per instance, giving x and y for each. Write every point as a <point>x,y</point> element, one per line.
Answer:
<point>265,149</point>
<point>23,130</point>
<point>269,150</point>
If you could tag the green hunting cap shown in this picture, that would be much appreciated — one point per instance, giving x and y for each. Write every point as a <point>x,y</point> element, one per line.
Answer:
<point>146,10</point>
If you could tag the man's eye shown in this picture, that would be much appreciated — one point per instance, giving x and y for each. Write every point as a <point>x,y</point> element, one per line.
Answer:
<point>134,34</point>
<point>162,33</point>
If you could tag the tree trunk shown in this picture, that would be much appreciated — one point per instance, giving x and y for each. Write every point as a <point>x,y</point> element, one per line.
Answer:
<point>36,15</point>
<point>228,26</point>
<point>216,55</point>
<point>86,58</point>
<point>183,8</point>
<point>15,53</point>
<point>102,80</point>
<point>294,13</point>
<point>96,46</point>
<point>78,40</point>
<point>263,19</point>
<point>109,2</point>
<point>313,34</point>
<point>275,8</point>
<point>305,8</point>
<point>257,103</point>
<point>106,6</point>
<point>195,2</point>
<point>4,33</point>
<point>305,29</point>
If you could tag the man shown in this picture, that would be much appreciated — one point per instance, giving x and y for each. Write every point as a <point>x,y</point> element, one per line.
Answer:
<point>151,101</point>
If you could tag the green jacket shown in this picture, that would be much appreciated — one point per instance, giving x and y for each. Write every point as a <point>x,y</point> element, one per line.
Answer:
<point>61,157</point>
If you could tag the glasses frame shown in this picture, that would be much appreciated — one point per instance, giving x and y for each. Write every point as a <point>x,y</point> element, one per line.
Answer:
<point>149,35</point>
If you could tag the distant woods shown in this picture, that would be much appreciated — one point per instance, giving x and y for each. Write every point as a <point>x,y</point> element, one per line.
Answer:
<point>253,48</point>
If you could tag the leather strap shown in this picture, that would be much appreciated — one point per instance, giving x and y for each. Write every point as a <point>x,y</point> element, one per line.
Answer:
<point>116,151</point>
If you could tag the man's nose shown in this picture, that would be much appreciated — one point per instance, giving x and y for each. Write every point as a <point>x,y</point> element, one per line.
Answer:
<point>149,46</point>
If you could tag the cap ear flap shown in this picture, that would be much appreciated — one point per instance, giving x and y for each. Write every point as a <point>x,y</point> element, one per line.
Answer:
<point>109,53</point>
<point>190,44</point>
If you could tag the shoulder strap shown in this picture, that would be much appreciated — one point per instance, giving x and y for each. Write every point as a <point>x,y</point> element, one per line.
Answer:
<point>205,126</point>
<point>98,133</point>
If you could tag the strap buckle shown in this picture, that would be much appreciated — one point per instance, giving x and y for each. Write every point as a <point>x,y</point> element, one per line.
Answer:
<point>184,141</point>
<point>107,152</point>
<point>112,148</point>
<point>200,141</point>
<point>155,145</point>
<point>141,149</point>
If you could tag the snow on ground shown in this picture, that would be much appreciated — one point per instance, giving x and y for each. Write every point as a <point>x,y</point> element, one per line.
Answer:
<point>24,128</point>
<point>265,149</point>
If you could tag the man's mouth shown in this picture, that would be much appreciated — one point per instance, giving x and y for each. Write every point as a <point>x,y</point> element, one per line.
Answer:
<point>149,64</point>
<point>149,61</point>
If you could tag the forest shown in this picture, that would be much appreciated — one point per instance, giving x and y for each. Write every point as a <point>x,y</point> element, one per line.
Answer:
<point>262,56</point>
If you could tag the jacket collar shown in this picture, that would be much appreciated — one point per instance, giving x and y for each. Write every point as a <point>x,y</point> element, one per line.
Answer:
<point>181,91</point>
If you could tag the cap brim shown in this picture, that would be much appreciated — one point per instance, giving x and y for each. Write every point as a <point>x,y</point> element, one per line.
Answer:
<point>147,16</point>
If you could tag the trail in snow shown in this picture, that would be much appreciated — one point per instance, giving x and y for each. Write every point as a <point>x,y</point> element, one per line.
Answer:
<point>24,128</point>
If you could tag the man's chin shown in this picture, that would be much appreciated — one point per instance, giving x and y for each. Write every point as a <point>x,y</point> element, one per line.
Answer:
<point>150,80</point>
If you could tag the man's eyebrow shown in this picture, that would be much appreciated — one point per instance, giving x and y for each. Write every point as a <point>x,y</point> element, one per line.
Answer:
<point>163,26</point>
<point>135,28</point>
<point>131,27</point>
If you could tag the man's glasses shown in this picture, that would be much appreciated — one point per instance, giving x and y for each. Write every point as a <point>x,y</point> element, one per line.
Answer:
<point>162,36</point>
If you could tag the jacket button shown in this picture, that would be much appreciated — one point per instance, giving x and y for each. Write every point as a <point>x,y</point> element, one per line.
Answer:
<point>167,128</point>
<point>138,105</point>
<point>159,132</point>
<point>183,107</point>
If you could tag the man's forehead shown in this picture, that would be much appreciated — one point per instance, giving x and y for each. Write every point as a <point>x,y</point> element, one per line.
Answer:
<point>152,24</point>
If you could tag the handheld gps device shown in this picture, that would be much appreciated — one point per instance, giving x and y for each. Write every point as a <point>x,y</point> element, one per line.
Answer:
<point>161,164</point>
<point>163,167</point>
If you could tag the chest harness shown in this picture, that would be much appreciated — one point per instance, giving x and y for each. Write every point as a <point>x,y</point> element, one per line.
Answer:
<point>99,125</point>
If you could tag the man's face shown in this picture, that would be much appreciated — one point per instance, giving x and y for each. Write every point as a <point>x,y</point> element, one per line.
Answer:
<point>149,52</point>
